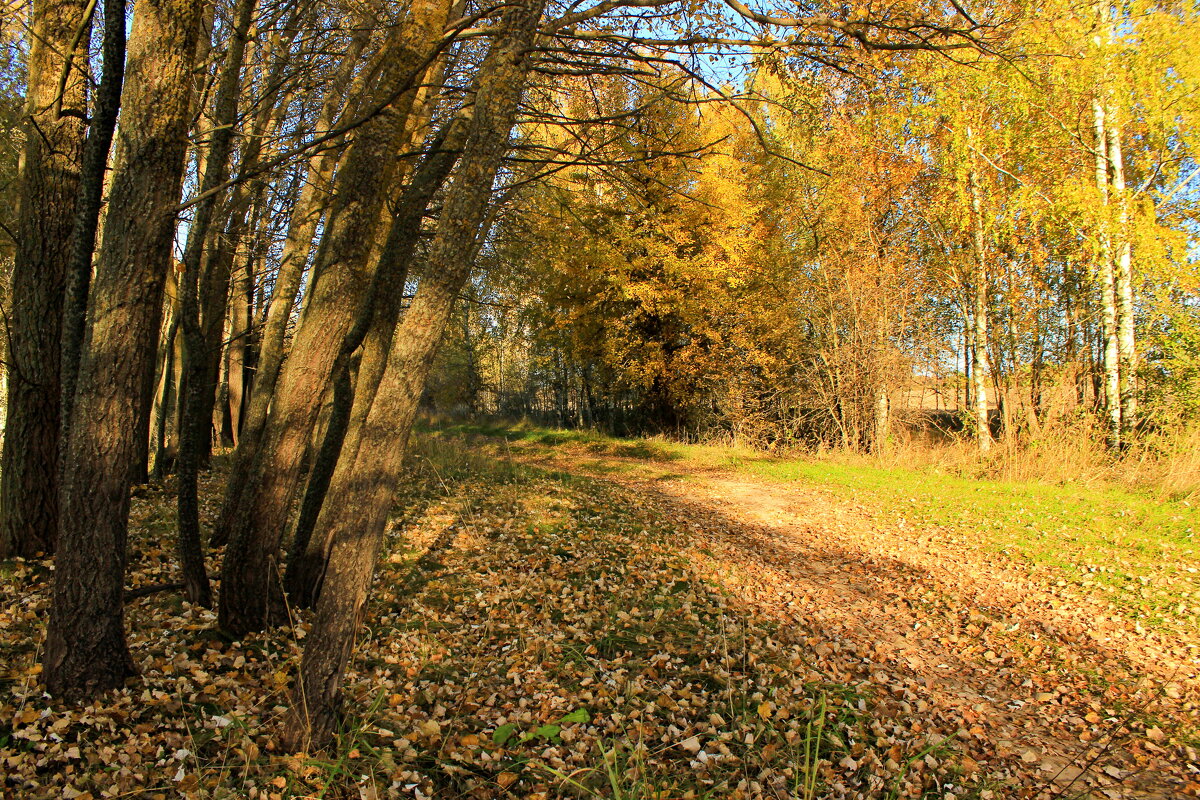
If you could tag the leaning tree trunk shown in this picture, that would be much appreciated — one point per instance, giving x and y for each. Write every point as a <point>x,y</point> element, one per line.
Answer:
<point>197,359</point>
<point>373,331</point>
<point>310,207</point>
<point>242,214</point>
<point>91,191</point>
<point>367,481</point>
<point>48,186</point>
<point>85,641</point>
<point>250,578</point>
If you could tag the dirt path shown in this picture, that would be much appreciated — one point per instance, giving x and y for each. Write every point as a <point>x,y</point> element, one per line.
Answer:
<point>1040,686</point>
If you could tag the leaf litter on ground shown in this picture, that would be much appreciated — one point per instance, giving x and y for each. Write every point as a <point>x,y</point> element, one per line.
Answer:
<point>536,632</point>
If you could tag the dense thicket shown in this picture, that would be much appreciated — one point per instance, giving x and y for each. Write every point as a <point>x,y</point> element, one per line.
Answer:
<point>637,214</point>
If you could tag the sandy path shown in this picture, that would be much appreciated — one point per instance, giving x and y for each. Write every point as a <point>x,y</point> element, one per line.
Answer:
<point>1041,687</point>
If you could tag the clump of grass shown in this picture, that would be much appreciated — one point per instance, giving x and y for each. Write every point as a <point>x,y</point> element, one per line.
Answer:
<point>435,456</point>
<point>1164,462</point>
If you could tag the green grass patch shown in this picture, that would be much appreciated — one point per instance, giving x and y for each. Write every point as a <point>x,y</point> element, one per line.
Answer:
<point>1110,537</point>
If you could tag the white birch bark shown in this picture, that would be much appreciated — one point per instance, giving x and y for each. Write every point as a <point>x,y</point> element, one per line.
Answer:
<point>978,290</point>
<point>1108,296</point>
<point>1122,278</point>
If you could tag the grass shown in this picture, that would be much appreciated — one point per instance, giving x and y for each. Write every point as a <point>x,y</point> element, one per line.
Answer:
<point>1136,545</point>
<point>1091,521</point>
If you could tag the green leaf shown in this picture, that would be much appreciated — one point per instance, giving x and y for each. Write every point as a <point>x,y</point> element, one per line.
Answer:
<point>578,715</point>
<point>504,733</point>
<point>546,732</point>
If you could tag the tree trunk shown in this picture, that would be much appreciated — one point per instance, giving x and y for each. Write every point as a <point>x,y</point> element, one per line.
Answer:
<point>306,558</point>
<point>301,591</point>
<point>882,434</point>
<point>219,407</point>
<point>85,642</point>
<point>168,401</point>
<point>48,186</point>
<point>366,477</point>
<point>197,358</point>
<point>310,207</point>
<point>1108,296</point>
<point>250,580</point>
<point>239,326</point>
<point>1123,282</point>
<point>979,279</point>
<point>91,191</point>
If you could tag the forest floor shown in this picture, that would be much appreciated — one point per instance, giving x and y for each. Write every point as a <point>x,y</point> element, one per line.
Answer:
<point>566,615</point>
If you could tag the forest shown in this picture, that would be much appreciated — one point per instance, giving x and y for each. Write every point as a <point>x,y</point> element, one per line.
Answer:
<point>638,399</point>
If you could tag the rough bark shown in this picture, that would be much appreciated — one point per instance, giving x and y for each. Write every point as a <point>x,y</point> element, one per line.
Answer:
<point>85,643</point>
<point>91,190</point>
<point>366,478</point>
<point>250,577</point>
<point>48,180</point>
<point>197,358</point>
<point>298,581</point>
<point>373,332</point>
<point>310,208</point>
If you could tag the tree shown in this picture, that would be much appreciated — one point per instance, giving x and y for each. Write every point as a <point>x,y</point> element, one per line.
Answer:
<point>197,356</point>
<point>87,213</point>
<point>85,642</point>
<point>256,511</point>
<point>978,293</point>
<point>48,186</point>
<point>368,469</point>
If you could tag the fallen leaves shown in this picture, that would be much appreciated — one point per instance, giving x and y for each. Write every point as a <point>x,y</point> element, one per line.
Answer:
<point>533,633</point>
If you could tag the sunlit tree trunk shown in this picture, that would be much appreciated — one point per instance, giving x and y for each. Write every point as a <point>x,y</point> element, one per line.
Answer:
<point>365,479</point>
<point>48,186</point>
<point>882,433</point>
<point>1108,294</point>
<point>1122,280</point>
<point>306,559</point>
<point>250,577</point>
<point>979,309</point>
<point>85,641</point>
<point>310,207</point>
<point>91,191</point>
<point>238,352</point>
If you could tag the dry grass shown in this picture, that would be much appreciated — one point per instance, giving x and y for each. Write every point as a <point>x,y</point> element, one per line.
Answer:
<point>1165,463</point>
